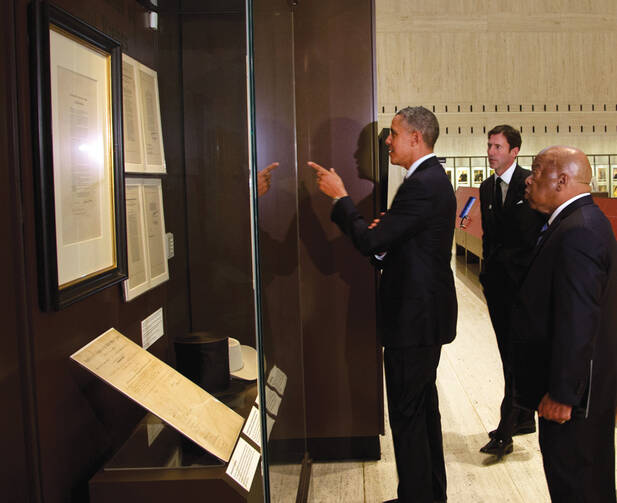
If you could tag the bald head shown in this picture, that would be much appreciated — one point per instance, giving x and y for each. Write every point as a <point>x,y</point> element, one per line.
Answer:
<point>558,174</point>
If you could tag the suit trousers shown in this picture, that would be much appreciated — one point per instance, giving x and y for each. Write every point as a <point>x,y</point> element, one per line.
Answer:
<point>499,293</point>
<point>413,407</point>
<point>579,458</point>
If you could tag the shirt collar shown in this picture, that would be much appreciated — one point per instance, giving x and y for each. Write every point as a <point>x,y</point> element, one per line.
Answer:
<point>415,165</point>
<point>506,176</point>
<point>564,205</point>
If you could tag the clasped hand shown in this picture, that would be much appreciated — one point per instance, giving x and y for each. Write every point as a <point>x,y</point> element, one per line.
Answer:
<point>554,411</point>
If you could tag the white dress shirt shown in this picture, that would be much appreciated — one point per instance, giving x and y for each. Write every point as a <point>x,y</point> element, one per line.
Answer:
<point>506,178</point>
<point>564,205</point>
<point>415,165</point>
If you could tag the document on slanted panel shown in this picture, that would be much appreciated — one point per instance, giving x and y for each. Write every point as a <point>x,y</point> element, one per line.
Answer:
<point>163,391</point>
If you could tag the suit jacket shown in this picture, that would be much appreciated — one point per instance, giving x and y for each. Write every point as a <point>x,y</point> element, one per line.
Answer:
<point>564,322</point>
<point>417,299</point>
<point>509,235</point>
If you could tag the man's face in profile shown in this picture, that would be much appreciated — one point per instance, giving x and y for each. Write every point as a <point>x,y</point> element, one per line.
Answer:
<point>541,185</point>
<point>400,141</point>
<point>500,155</point>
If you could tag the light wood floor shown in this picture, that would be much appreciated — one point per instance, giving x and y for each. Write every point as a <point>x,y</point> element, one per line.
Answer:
<point>470,387</point>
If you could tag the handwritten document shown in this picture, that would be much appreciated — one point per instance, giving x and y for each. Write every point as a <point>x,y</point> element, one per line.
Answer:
<point>163,391</point>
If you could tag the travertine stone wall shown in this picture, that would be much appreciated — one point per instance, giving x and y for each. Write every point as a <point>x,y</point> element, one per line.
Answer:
<point>548,68</point>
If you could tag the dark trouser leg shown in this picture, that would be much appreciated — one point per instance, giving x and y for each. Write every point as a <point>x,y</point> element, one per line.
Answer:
<point>416,424</point>
<point>511,415</point>
<point>579,459</point>
<point>499,295</point>
<point>433,422</point>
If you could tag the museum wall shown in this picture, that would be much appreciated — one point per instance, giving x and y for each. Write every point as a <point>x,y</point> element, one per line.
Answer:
<point>76,420</point>
<point>217,167</point>
<point>15,421</point>
<point>546,67</point>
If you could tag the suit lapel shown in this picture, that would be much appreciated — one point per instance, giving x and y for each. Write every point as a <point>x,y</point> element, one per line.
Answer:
<point>568,210</point>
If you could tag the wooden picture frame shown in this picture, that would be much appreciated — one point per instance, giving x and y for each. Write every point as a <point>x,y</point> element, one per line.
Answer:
<point>79,175</point>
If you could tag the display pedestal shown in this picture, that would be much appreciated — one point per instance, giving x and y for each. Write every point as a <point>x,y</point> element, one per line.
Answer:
<point>158,464</point>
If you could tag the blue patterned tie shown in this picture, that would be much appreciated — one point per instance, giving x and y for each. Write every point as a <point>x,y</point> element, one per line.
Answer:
<point>542,232</point>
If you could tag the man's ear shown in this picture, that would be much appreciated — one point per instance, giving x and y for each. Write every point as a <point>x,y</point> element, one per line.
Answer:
<point>516,150</point>
<point>562,181</point>
<point>417,136</point>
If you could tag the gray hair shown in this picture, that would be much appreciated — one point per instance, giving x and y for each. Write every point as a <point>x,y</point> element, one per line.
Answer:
<point>422,120</point>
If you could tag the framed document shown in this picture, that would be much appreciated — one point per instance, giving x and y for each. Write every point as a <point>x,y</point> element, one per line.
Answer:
<point>602,174</point>
<point>462,177</point>
<point>155,231</point>
<point>450,175</point>
<point>139,279</point>
<point>134,161</point>
<point>79,174</point>
<point>478,177</point>
<point>148,88</point>
<point>146,241</point>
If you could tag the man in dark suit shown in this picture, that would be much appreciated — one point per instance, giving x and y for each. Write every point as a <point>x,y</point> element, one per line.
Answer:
<point>564,331</point>
<point>417,299</point>
<point>509,232</point>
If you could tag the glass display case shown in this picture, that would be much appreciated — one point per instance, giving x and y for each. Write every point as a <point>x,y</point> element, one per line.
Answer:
<point>262,259</point>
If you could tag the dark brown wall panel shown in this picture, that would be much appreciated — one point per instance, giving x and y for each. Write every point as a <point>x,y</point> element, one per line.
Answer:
<point>217,174</point>
<point>335,118</point>
<point>16,441</point>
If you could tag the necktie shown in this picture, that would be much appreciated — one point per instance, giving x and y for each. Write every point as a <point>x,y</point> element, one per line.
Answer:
<point>542,232</point>
<point>498,200</point>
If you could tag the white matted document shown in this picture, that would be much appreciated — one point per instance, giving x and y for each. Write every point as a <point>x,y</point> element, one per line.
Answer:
<point>241,467</point>
<point>131,114</point>
<point>148,88</point>
<point>163,391</point>
<point>82,163</point>
<point>145,234</point>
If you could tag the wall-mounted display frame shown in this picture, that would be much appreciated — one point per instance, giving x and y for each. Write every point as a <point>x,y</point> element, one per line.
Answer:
<point>132,117</point>
<point>463,176</point>
<point>450,174</point>
<point>143,137</point>
<point>477,177</point>
<point>146,240</point>
<point>148,89</point>
<point>79,175</point>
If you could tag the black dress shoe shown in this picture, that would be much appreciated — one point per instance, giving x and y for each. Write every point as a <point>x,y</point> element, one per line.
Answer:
<point>498,448</point>
<point>519,429</point>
